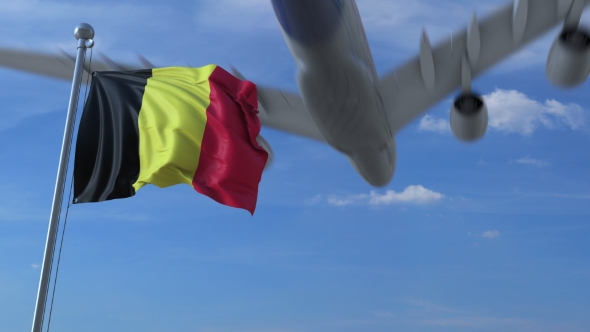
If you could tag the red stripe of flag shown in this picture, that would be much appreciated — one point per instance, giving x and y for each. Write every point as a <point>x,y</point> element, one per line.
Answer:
<point>231,161</point>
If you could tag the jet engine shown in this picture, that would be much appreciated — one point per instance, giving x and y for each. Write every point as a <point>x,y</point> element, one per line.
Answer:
<point>469,117</point>
<point>568,63</point>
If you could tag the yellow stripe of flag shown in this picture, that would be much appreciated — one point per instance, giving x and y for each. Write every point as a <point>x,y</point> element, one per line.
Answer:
<point>171,125</point>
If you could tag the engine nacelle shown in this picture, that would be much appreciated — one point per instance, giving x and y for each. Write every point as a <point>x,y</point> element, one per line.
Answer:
<point>568,63</point>
<point>469,117</point>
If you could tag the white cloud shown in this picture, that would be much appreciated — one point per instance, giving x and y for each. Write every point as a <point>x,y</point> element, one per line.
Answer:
<point>340,201</point>
<point>531,161</point>
<point>490,234</point>
<point>512,111</point>
<point>414,194</point>
<point>35,266</point>
<point>430,123</point>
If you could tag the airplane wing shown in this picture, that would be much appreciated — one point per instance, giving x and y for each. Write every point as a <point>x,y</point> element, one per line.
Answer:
<point>285,111</point>
<point>413,88</point>
<point>416,86</point>
<point>280,109</point>
<point>56,65</point>
<point>407,91</point>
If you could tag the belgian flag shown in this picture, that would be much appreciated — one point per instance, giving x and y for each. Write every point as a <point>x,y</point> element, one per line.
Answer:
<point>168,126</point>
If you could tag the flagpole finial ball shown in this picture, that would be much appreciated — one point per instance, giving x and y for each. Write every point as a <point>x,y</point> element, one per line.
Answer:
<point>84,31</point>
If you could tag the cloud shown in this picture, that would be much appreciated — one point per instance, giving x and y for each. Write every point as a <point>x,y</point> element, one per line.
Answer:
<point>29,13</point>
<point>385,314</point>
<point>15,204</point>
<point>113,214</point>
<point>430,123</point>
<point>427,305</point>
<point>511,111</point>
<point>490,234</point>
<point>398,25</point>
<point>35,266</point>
<point>340,201</point>
<point>348,200</point>
<point>531,161</point>
<point>12,117</point>
<point>414,194</point>
<point>121,27</point>
<point>424,314</point>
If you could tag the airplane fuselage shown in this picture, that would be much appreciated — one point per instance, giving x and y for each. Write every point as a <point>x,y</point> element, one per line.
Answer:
<point>337,81</point>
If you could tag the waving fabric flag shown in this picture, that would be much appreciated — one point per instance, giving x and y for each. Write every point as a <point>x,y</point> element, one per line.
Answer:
<point>168,126</point>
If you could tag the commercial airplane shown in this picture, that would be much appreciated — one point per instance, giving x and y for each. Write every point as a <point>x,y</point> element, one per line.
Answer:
<point>343,101</point>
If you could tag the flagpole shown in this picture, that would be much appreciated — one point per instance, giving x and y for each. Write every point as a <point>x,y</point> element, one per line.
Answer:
<point>84,34</point>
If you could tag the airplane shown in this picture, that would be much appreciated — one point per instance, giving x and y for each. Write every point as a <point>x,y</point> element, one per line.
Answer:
<point>343,101</point>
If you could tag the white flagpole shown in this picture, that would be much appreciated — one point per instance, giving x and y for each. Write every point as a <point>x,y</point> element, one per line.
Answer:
<point>84,34</point>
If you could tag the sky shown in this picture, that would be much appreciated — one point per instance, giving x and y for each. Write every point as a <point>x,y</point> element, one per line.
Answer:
<point>488,236</point>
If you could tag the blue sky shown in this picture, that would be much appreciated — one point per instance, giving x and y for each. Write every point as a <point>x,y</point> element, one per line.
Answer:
<point>490,236</point>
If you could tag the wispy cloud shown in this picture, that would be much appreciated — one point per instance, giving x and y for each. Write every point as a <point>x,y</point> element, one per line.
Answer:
<point>429,306</point>
<point>531,161</point>
<point>14,204</point>
<point>35,266</point>
<point>430,123</point>
<point>491,234</point>
<point>511,111</point>
<point>122,28</point>
<point>401,23</point>
<point>345,201</point>
<point>420,312</point>
<point>476,322</point>
<point>398,25</point>
<point>113,214</point>
<point>28,14</point>
<point>414,194</point>
<point>12,117</point>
